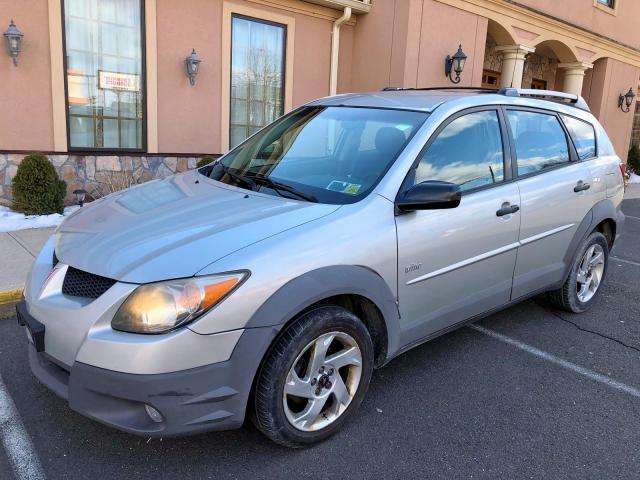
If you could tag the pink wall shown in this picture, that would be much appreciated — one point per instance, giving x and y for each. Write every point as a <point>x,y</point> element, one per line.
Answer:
<point>622,27</point>
<point>439,38</point>
<point>189,117</point>
<point>400,43</point>
<point>26,115</point>
<point>372,43</point>
<point>602,87</point>
<point>347,34</point>
<point>312,61</point>
<point>405,50</point>
<point>405,43</point>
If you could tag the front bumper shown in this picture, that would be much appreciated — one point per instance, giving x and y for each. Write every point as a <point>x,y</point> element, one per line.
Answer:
<point>213,397</point>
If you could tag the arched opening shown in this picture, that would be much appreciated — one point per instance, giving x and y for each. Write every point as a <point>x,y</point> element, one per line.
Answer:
<point>541,68</point>
<point>557,50</point>
<point>497,35</point>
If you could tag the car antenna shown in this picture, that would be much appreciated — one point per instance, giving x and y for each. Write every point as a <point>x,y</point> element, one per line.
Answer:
<point>513,74</point>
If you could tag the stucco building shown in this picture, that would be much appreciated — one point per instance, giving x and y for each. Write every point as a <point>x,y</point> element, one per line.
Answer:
<point>101,86</point>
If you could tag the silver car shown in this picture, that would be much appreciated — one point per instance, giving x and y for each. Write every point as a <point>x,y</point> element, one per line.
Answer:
<point>269,284</point>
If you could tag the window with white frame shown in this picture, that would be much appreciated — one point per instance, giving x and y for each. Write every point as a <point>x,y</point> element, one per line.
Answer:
<point>104,74</point>
<point>607,3</point>
<point>257,75</point>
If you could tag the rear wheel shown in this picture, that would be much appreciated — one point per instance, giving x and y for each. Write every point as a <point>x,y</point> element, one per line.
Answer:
<point>587,273</point>
<point>314,378</point>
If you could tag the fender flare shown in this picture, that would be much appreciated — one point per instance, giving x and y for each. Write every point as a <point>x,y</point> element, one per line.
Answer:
<point>601,211</point>
<point>313,286</point>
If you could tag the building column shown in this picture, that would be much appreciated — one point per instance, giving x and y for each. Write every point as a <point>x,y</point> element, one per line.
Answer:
<point>574,76</point>
<point>513,57</point>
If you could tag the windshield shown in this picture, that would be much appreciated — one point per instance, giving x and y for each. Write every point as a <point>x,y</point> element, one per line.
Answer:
<point>324,154</point>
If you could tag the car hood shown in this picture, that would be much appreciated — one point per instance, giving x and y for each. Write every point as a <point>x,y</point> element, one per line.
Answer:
<point>173,228</point>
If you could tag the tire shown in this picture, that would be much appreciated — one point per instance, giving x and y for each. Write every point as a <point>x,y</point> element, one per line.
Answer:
<point>297,351</point>
<point>569,296</point>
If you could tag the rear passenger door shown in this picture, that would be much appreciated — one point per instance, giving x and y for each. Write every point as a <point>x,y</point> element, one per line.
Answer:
<point>554,194</point>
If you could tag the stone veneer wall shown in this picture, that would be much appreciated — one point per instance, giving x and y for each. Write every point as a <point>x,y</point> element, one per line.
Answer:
<point>94,173</point>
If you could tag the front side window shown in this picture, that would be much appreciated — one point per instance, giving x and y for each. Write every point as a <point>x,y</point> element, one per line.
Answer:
<point>320,154</point>
<point>467,152</point>
<point>257,76</point>
<point>103,48</point>
<point>607,3</point>
<point>540,141</point>
<point>583,136</point>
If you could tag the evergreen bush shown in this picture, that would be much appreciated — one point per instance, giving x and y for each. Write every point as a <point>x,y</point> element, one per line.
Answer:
<point>633,161</point>
<point>206,160</point>
<point>37,190</point>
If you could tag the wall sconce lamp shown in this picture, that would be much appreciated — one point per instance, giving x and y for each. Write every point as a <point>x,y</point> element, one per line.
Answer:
<point>80,196</point>
<point>13,39</point>
<point>625,101</point>
<point>192,65</point>
<point>455,64</point>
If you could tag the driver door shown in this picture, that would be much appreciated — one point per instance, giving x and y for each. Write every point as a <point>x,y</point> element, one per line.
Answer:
<point>457,263</point>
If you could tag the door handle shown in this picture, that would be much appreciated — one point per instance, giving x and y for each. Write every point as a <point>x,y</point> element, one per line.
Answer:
<point>508,210</point>
<point>581,187</point>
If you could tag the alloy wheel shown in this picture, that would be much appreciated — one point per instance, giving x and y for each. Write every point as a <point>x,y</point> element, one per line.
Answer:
<point>590,272</point>
<point>322,381</point>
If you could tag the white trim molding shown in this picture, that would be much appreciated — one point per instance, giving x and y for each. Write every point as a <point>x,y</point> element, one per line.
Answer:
<point>58,100</point>
<point>151,80</point>
<point>228,9</point>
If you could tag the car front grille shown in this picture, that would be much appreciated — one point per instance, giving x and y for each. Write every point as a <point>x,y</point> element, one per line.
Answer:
<point>78,283</point>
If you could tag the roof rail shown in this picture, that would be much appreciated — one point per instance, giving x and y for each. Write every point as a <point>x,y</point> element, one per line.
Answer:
<point>475,89</point>
<point>550,95</point>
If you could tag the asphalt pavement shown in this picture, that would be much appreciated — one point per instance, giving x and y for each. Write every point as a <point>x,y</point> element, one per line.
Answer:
<point>535,393</point>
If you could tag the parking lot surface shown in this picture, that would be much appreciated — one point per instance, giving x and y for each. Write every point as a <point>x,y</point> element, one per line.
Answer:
<point>531,393</point>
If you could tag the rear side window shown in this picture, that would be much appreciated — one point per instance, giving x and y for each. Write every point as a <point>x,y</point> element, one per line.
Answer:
<point>467,152</point>
<point>604,143</point>
<point>583,136</point>
<point>540,141</point>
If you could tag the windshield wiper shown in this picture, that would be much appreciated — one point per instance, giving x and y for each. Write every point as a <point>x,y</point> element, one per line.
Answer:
<point>236,176</point>
<point>281,187</point>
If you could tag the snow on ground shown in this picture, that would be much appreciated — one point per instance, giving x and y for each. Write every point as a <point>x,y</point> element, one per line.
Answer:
<point>11,221</point>
<point>633,178</point>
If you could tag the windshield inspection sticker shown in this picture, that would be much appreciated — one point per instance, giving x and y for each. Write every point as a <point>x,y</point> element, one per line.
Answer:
<point>344,187</point>
<point>352,189</point>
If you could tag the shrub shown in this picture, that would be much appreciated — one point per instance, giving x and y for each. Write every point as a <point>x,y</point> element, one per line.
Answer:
<point>633,160</point>
<point>37,190</point>
<point>206,160</point>
<point>112,182</point>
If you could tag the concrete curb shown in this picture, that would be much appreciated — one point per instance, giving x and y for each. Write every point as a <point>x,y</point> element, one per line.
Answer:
<point>10,297</point>
<point>8,302</point>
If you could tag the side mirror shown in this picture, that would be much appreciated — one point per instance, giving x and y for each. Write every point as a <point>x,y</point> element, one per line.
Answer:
<point>430,195</point>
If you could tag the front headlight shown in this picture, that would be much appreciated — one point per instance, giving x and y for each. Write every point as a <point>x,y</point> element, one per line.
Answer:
<point>164,306</point>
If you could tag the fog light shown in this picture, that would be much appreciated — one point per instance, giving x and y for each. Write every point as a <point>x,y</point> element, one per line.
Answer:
<point>153,414</point>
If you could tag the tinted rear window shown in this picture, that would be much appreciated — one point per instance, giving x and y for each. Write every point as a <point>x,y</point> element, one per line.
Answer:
<point>540,141</point>
<point>604,143</point>
<point>583,136</point>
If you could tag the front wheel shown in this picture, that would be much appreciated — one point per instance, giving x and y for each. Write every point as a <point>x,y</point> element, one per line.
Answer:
<point>587,273</point>
<point>314,378</point>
